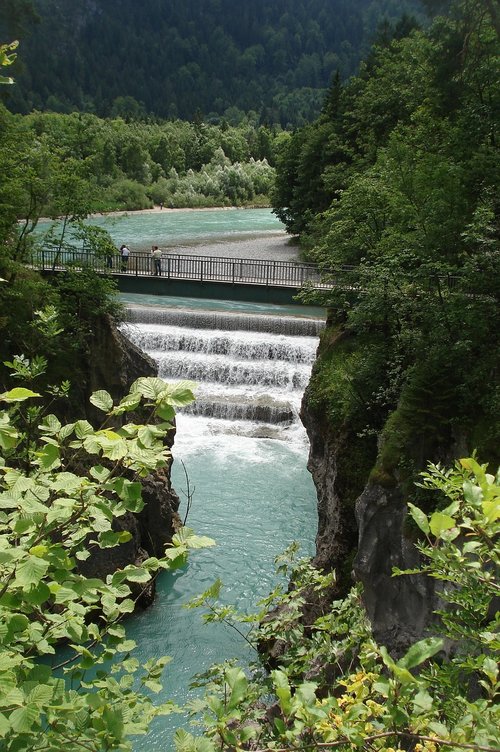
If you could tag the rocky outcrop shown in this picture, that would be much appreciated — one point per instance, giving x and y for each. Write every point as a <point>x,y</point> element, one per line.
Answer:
<point>362,515</point>
<point>336,537</point>
<point>365,540</point>
<point>115,362</point>
<point>399,608</point>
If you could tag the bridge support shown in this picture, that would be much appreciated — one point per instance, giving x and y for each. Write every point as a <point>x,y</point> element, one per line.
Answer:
<point>206,289</point>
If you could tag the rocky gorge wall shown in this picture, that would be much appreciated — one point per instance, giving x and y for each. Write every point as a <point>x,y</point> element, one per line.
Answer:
<point>362,516</point>
<point>114,363</point>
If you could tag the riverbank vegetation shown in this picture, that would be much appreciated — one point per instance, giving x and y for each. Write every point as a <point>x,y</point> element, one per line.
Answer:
<point>66,673</point>
<point>334,687</point>
<point>393,191</point>
<point>107,165</point>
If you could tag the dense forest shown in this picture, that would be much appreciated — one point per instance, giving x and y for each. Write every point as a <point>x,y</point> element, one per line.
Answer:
<point>176,59</point>
<point>393,191</point>
<point>397,180</point>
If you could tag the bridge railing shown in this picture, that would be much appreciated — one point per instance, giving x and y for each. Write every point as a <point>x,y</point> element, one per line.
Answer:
<point>182,266</point>
<point>228,270</point>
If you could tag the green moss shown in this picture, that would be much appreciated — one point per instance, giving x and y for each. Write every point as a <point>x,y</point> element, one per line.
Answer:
<point>335,395</point>
<point>330,389</point>
<point>378,476</point>
<point>395,439</point>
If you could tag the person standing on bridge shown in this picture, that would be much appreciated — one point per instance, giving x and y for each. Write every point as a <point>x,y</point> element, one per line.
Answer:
<point>156,255</point>
<point>124,253</point>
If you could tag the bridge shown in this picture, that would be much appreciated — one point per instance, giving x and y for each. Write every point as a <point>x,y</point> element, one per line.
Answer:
<point>192,276</point>
<point>251,280</point>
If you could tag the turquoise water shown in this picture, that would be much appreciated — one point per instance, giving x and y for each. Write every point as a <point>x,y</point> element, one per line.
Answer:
<point>252,493</point>
<point>171,228</point>
<point>208,304</point>
<point>254,497</point>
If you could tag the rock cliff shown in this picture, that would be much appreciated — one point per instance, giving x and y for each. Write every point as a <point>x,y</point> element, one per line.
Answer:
<point>114,364</point>
<point>362,521</point>
<point>366,540</point>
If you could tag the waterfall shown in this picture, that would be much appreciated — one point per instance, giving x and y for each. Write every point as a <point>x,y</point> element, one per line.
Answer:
<point>251,369</point>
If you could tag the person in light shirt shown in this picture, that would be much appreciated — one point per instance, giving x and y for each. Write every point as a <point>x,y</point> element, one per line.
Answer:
<point>124,253</point>
<point>156,255</point>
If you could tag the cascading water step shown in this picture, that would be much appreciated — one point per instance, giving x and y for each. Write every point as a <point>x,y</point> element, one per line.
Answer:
<point>236,344</point>
<point>263,409</point>
<point>225,321</point>
<point>251,369</point>
<point>219,369</point>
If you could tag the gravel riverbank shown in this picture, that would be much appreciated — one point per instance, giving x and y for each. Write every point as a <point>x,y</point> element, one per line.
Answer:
<point>277,247</point>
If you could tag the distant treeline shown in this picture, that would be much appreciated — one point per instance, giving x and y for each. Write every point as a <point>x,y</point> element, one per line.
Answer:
<point>135,165</point>
<point>179,58</point>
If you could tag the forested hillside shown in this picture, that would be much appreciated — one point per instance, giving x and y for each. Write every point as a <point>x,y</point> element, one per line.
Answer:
<point>394,192</point>
<point>183,57</point>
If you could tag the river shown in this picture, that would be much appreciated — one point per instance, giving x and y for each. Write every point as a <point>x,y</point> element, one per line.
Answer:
<point>245,453</point>
<point>186,229</point>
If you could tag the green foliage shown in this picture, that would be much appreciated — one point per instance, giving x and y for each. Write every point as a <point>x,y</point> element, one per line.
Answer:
<point>398,206</point>
<point>67,166</point>
<point>332,686</point>
<point>61,488</point>
<point>7,57</point>
<point>129,194</point>
<point>218,183</point>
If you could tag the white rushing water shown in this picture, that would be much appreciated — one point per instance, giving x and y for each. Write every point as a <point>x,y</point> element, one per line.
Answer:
<point>249,367</point>
<point>245,452</point>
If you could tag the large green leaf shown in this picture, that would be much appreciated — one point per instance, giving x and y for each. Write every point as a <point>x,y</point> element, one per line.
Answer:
<point>136,574</point>
<point>473,494</point>
<point>31,571</point>
<point>83,429</point>
<point>130,493</point>
<point>440,522</point>
<point>114,721</point>
<point>180,394</point>
<point>186,537</point>
<point>103,400</point>
<point>8,436</point>
<point>50,425</point>
<point>127,404</point>
<point>49,457</point>
<point>5,726</point>
<point>238,684</point>
<point>109,538</point>
<point>186,742</point>
<point>149,386</point>
<point>22,719</point>
<point>149,435</point>
<point>17,623</point>
<point>420,518</point>
<point>19,394</point>
<point>420,652</point>
<point>41,695</point>
<point>283,691</point>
